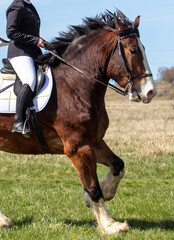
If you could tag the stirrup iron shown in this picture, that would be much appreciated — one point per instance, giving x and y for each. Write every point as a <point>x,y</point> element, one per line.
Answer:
<point>26,125</point>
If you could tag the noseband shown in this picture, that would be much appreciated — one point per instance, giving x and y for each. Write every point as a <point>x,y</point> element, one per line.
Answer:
<point>127,33</point>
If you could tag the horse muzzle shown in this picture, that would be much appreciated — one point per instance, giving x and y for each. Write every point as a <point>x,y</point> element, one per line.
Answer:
<point>134,96</point>
<point>145,93</point>
<point>138,97</point>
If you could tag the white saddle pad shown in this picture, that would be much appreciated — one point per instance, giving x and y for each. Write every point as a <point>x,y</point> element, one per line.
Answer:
<point>8,98</point>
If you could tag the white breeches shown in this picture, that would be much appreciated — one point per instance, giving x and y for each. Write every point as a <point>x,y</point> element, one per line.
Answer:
<point>25,69</point>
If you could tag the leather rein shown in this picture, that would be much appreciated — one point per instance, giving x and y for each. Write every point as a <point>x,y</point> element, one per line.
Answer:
<point>127,33</point>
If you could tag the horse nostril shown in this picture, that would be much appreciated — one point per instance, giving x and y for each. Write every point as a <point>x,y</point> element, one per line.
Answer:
<point>150,94</point>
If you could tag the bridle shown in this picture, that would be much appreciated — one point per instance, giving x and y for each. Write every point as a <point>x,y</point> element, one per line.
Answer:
<point>127,33</point>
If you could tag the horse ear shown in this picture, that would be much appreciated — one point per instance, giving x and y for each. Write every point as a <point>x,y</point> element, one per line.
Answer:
<point>137,21</point>
<point>119,25</point>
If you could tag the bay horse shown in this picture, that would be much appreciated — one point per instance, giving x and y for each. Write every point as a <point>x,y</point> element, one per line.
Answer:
<point>75,120</point>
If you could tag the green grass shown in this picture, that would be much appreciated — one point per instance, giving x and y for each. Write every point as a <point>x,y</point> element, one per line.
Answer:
<point>43,197</point>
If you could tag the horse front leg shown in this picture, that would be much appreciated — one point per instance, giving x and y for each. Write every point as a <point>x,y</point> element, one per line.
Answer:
<point>84,160</point>
<point>110,184</point>
<point>4,221</point>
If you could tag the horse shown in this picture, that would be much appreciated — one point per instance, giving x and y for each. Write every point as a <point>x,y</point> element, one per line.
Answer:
<point>75,120</point>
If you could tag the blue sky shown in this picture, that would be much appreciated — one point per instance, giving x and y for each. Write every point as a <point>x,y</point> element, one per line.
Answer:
<point>156,22</point>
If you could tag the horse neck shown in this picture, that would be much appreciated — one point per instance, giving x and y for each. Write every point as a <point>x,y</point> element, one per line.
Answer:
<point>90,54</point>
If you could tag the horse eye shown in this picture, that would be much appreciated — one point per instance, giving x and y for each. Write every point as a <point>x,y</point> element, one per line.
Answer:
<point>133,51</point>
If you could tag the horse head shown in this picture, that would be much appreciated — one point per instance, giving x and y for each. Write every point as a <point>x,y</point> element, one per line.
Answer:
<point>128,64</point>
<point>108,47</point>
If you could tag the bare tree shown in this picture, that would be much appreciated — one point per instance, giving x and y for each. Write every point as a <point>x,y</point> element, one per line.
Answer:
<point>166,74</point>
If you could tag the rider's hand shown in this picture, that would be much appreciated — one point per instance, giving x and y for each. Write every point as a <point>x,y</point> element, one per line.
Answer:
<point>41,43</point>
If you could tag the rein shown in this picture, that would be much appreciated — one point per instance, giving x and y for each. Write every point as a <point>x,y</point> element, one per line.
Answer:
<point>127,33</point>
<point>118,90</point>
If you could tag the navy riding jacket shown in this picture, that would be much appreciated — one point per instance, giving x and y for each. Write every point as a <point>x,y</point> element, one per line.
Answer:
<point>23,26</point>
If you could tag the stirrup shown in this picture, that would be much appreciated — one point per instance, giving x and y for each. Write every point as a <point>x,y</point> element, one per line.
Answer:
<point>20,128</point>
<point>26,128</point>
<point>26,132</point>
<point>23,128</point>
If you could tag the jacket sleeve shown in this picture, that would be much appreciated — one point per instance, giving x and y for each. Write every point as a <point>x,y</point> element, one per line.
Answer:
<point>14,17</point>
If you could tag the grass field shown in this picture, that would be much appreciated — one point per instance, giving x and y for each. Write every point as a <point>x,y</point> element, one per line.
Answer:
<point>43,196</point>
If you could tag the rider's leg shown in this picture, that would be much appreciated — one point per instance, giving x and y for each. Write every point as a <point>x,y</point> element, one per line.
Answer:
<point>25,69</point>
<point>23,101</point>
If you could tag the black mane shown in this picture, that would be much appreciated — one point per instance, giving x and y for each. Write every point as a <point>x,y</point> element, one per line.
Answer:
<point>61,43</point>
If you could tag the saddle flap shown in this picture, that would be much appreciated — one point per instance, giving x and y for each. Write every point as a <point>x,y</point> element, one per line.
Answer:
<point>40,80</point>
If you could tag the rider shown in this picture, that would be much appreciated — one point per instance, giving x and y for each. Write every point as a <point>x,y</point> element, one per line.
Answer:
<point>23,26</point>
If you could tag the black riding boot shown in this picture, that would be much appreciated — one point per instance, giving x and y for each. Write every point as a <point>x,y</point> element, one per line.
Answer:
<point>23,101</point>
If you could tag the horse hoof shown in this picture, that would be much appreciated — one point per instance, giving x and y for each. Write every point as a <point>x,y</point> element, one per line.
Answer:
<point>116,227</point>
<point>4,221</point>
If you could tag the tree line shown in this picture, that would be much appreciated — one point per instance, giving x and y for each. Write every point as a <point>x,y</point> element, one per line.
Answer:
<point>166,74</point>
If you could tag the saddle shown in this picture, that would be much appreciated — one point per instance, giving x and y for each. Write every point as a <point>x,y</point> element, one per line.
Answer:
<point>7,70</point>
